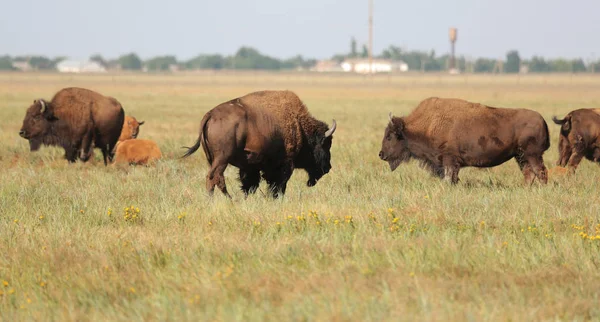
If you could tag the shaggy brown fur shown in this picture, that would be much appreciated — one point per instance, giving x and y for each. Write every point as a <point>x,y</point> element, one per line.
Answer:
<point>269,131</point>
<point>137,151</point>
<point>131,128</point>
<point>448,134</point>
<point>579,137</point>
<point>76,119</point>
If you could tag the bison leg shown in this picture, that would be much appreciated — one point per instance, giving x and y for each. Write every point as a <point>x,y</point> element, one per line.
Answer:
<point>574,161</point>
<point>86,147</point>
<point>215,177</point>
<point>105,155</point>
<point>250,179</point>
<point>538,167</point>
<point>278,178</point>
<point>564,150</point>
<point>578,153</point>
<point>71,154</point>
<point>526,169</point>
<point>451,169</point>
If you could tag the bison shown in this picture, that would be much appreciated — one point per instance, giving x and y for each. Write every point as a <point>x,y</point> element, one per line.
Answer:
<point>75,119</point>
<point>270,132</point>
<point>579,137</point>
<point>137,151</point>
<point>131,128</point>
<point>448,134</point>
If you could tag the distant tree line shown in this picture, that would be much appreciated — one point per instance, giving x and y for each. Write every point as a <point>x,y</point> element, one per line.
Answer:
<point>247,58</point>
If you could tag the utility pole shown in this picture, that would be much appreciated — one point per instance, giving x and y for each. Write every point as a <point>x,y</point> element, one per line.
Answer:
<point>452,34</point>
<point>371,36</point>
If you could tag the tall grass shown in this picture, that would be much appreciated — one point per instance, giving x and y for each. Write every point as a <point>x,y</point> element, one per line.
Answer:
<point>88,242</point>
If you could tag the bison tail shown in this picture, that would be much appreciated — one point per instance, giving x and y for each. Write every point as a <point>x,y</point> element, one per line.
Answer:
<point>547,143</point>
<point>566,123</point>
<point>557,121</point>
<point>202,141</point>
<point>191,149</point>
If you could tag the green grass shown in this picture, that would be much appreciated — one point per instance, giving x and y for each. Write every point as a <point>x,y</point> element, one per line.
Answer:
<point>363,244</point>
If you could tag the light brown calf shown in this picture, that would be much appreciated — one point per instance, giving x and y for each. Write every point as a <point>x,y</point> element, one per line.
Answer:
<point>137,151</point>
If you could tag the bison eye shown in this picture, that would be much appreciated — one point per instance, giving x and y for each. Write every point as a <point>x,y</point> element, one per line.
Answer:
<point>389,137</point>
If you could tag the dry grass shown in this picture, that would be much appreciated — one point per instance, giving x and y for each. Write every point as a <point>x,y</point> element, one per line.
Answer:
<point>364,244</point>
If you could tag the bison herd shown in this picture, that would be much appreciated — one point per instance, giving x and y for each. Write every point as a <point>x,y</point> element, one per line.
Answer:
<point>268,134</point>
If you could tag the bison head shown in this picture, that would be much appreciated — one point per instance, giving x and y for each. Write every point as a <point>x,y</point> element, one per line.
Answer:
<point>36,123</point>
<point>394,148</point>
<point>131,128</point>
<point>320,161</point>
<point>134,126</point>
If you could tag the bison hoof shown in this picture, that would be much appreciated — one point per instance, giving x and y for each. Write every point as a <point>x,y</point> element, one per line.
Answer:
<point>311,182</point>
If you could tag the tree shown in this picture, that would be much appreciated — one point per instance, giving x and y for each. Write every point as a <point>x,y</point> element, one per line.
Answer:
<point>99,59</point>
<point>538,65</point>
<point>130,62</point>
<point>298,62</point>
<point>206,62</point>
<point>578,66</point>
<point>353,50</point>
<point>41,63</point>
<point>365,51</point>
<point>6,63</point>
<point>161,63</point>
<point>250,58</point>
<point>484,65</point>
<point>561,65</point>
<point>338,58</point>
<point>513,62</point>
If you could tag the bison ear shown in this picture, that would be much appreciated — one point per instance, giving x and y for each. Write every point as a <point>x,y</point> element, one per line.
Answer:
<point>397,124</point>
<point>141,123</point>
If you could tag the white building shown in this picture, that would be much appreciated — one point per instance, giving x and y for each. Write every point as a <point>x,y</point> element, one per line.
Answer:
<point>72,66</point>
<point>23,66</point>
<point>363,66</point>
<point>327,66</point>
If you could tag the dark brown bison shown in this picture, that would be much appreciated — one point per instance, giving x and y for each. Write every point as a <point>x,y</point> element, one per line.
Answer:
<point>579,137</point>
<point>448,134</point>
<point>270,132</point>
<point>75,119</point>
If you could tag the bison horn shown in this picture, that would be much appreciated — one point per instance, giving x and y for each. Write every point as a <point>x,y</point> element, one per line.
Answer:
<point>141,123</point>
<point>43,109</point>
<point>391,117</point>
<point>331,130</point>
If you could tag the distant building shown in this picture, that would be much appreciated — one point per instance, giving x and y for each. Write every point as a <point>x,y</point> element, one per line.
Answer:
<point>72,66</point>
<point>327,66</point>
<point>23,66</point>
<point>363,66</point>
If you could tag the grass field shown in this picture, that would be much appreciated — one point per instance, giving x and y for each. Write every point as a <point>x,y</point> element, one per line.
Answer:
<point>363,244</point>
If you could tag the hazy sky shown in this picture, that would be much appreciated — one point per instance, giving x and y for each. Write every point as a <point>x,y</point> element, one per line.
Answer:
<point>281,28</point>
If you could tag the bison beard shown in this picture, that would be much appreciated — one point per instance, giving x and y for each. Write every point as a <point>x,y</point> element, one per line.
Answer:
<point>445,135</point>
<point>269,132</point>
